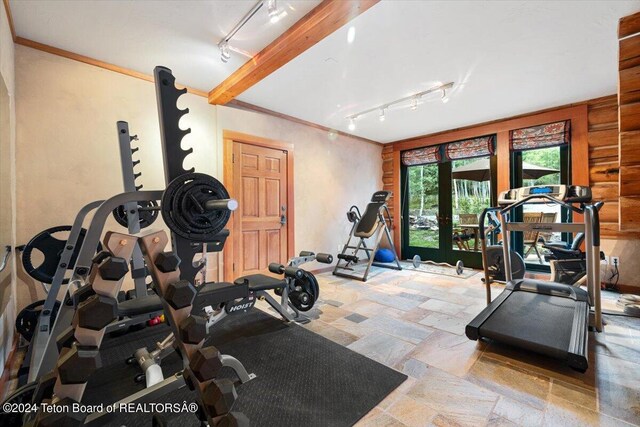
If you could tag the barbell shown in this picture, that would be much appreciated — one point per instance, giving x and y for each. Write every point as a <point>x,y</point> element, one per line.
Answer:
<point>459,267</point>
<point>196,207</point>
<point>147,214</point>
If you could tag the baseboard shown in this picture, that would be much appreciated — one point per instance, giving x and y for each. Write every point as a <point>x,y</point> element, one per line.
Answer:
<point>623,289</point>
<point>628,289</point>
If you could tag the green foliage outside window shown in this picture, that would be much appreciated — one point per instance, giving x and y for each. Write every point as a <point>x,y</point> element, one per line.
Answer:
<point>469,197</point>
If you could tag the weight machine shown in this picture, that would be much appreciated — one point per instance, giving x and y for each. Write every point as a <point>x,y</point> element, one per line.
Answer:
<point>39,321</point>
<point>298,291</point>
<point>196,208</point>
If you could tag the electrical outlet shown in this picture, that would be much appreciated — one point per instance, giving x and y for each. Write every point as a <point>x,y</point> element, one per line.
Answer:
<point>615,261</point>
<point>607,260</point>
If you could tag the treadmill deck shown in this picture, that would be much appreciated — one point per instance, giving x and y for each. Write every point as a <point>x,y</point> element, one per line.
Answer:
<point>544,319</point>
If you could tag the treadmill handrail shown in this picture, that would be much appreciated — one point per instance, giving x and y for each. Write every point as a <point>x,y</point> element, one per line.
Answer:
<point>482,220</point>
<point>542,196</point>
<point>595,217</point>
<point>563,227</point>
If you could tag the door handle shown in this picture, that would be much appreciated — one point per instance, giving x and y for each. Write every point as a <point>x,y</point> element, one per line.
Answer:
<point>283,219</point>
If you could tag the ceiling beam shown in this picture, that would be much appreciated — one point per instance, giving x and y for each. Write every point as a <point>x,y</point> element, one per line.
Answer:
<point>323,20</point>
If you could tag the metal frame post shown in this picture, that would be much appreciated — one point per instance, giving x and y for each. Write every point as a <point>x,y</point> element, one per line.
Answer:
<point>131,208</point>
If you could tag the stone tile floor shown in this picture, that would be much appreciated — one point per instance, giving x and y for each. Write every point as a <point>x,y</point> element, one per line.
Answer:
<point>414,322</point>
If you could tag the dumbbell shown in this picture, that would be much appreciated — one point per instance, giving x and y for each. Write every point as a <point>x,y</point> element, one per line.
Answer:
<point>292,272</point>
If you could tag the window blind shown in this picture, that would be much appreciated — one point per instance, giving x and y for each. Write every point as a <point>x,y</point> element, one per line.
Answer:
<point>541,136</point>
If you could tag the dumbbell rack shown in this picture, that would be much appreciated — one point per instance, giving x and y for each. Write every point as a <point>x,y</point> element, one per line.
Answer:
<point>42,350</point>
<point>173,159</point>
<point>129,176</point>
<point>214,396</point>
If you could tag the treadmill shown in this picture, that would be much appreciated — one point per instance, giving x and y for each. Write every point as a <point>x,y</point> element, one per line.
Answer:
<point>546,317</point>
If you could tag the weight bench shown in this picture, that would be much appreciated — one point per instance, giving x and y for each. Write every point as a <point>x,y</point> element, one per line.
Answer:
<point>373,222</point>
<point>298,290</point>
<point>150,305</point>
<point>240,295</point>
<point>261,282</point>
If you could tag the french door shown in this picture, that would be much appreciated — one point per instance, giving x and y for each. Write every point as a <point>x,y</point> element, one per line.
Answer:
<point>441,206</point>
<point>543,166</point>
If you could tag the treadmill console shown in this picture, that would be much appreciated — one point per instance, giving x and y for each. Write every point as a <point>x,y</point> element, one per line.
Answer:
<point>564,193</point>
<point>381,196</point>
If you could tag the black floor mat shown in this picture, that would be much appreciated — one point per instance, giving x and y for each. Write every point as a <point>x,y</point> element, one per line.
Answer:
<point>302,378</point>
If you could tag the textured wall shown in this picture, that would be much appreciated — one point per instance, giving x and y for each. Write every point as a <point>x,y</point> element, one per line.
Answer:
<point>628,251</point>
<point>67,147</point>
<point>330,175</point>
<point>67,151</point>
<point>7,187</point>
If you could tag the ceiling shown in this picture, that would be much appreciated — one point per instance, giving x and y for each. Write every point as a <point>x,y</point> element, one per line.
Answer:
<point>505,57</point>
<point>138,35</point>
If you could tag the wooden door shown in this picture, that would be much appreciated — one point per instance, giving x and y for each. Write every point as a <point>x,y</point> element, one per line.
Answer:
<point>260,230</point>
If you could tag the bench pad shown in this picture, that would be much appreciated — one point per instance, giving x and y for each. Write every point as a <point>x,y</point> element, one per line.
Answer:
<point>138,306</point>
<point>213,294</point>
<point>261,282</point>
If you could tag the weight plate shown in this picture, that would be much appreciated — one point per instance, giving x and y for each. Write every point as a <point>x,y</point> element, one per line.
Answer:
<point>146,214</point>
<point>183,208</point>
<point>27,319</point>
<point>309,286</point>
<point>51,249</point>
<point>416,261</point>
<point>22,395</point>
<point>315,286</point>
<point>495,262</point>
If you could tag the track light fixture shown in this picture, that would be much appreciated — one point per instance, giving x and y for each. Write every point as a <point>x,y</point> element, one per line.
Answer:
<point>414,103</point>
<point>274,16</point>
<point>413,99</point>
<point>225,55</point>
<point>272,10</point>
<point>351,34</point>
<point>445,97</point>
